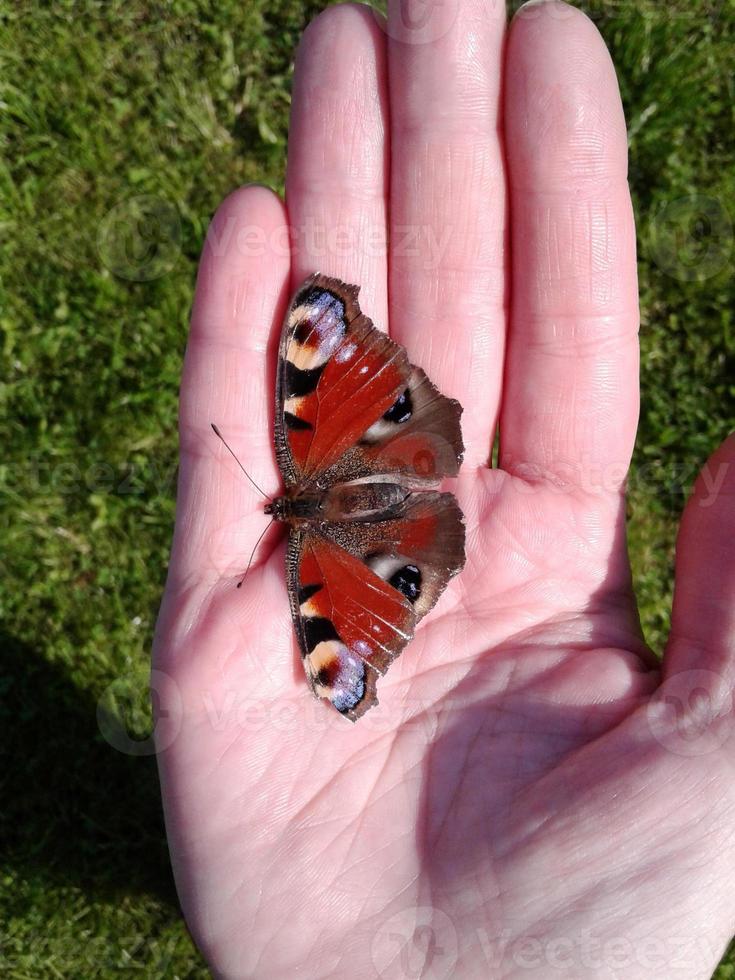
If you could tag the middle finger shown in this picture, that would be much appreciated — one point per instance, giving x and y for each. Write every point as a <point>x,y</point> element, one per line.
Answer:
<point>447,266</point>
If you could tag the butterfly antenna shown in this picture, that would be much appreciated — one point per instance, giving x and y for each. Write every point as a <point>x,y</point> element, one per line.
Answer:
<point>229,450</point>
<point>255,548</point>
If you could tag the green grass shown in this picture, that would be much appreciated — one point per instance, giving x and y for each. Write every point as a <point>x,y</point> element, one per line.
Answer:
<point>101,103</point>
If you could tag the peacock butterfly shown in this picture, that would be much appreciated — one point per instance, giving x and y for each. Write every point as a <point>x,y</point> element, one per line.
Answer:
<point>363,439</point>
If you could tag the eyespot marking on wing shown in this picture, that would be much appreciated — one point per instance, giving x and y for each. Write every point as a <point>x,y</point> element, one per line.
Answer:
<point>408,582</point>
<point>337,674</point>
<point>402,410</point>
<point>318,326</point>
<point>403,575</point>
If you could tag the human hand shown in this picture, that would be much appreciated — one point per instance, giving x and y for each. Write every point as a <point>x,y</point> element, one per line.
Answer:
<point>532,796</point>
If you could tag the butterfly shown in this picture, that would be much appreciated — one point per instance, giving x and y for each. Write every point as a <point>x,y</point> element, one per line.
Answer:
<point>363,439</point>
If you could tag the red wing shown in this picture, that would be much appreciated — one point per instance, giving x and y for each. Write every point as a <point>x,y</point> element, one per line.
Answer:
<point>349,404</point>
<point>350,623</point>
<point>357,593</point>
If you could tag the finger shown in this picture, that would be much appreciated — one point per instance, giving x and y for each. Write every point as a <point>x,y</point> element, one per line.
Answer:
<point>570,402</point>
<point>447,281</point>
<point>336,183</point>
<point>242,289</point>
<point>703,619</point>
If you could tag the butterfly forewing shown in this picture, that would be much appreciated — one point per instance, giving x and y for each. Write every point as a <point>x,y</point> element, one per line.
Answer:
<point>349,404</point>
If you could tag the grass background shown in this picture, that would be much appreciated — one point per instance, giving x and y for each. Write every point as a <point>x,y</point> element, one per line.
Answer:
<point>102,102</point>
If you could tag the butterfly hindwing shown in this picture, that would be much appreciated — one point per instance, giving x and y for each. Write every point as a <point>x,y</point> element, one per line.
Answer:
<point>348,402</point>
<point>358,588</point>
<point>320,572</point>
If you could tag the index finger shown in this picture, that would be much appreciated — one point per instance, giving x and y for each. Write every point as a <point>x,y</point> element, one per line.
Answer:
<point>241,294</point>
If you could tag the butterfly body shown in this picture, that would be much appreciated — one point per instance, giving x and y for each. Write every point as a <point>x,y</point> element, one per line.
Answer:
<point>343,502</point>
<point>363,441</point>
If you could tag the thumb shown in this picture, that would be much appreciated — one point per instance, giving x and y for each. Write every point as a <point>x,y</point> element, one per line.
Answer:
<point>703,619</point>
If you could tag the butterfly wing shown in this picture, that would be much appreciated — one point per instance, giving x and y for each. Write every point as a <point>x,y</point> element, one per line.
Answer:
<point>358,589</point>
<point>349,404</point>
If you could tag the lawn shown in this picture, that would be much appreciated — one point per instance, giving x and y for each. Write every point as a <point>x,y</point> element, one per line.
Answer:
<point>104,107</point>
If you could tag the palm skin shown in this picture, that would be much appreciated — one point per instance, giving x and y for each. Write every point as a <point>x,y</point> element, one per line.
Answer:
<point>533,796</point>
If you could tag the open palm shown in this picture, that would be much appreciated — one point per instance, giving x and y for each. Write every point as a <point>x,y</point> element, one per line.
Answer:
<point>532,797</point>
